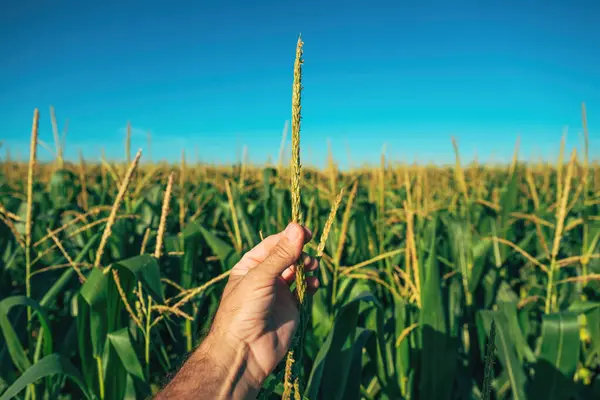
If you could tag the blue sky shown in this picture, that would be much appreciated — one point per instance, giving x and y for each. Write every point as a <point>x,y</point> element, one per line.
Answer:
<point>217,75</point>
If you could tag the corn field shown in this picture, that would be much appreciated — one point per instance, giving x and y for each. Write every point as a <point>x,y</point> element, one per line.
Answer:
<point>463,282</point>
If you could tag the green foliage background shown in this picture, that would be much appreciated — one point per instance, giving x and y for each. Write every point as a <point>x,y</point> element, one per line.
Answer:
<point>394,326</point>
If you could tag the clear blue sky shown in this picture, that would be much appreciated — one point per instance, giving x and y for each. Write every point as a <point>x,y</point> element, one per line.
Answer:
<point>217,75</point>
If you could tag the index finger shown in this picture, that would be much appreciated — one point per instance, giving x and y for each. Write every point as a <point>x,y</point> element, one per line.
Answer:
<point>260,252</point>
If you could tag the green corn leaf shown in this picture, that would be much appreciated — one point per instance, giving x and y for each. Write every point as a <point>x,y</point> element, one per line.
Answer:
<point>509,309</point>
<point>121,356</point>
<point>113,372</point>
<point>558,357</point>
<point>488,374</point>
<point>47,366</point>
<point>378,349</point>
<point>94,293</point>
<point>321,317</point>
<point>62,188</point>
<point>354,377</point>
<point>480,252</point>
<point>268,176</point>
<point>121,342</point>
<point>248,228</point>
<point>506,352</point>
<point>226,253</point>
<point>14,346</point>
<point>85,345</point>
<point>438,353</point>
<point>362,233</point>
<point>145,269</point>
<point>402,364</point>
<point>508,203</point>
<point>332,364</point>
<point>190,261</point>
<point>66,277</point>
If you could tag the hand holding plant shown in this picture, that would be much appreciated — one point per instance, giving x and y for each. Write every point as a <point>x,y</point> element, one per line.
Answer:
<point>254,325</point>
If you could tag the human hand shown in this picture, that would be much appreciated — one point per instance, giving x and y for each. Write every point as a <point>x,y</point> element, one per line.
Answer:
<point>254,324</point>
<point>257,308</point>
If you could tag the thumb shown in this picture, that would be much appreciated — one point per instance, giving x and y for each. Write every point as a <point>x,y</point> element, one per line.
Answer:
<point>285,253</point>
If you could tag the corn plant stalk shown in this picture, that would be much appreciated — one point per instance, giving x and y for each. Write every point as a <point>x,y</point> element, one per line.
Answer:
<point>103,170</point>
<point>405,332</point>
<point>381,202</point>
<point>234,218</point>
<point>147,329</point>
<point>182,192</point>
<point>352,268</point>
<point>586,173</point>
<point>342,240</point>
<point>345,223</point>
<point>78,218</point>
<point>515,159</point>
<point>459,173</point>
<point>13,229</point>
<point>292,372</point>
<point>325,233</point>
<point>28,219</point>
<point>410,239</point>
<point>28,215</point>
<point>558,232</point>
<point>123,296</point>
<point>328,224</point>
<point>70,261</point>
<point>83,182</point>
<point>145,241</point>
<point>532,189</point>
<point>115,209</point>
<point>332,169</point>
<point>191,293</point>
<point>162,226</point>
<point>295,162</point>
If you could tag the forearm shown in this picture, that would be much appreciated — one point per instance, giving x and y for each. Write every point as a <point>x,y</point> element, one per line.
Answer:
<point>218,369</point>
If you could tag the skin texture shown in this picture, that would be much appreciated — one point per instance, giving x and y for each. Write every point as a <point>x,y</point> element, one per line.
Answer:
<point>254,325</point>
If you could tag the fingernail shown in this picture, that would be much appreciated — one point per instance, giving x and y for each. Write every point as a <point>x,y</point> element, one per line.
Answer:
<point>291,232</point>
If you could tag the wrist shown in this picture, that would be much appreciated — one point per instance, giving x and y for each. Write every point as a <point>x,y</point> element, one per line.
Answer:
<point>232,356</point>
